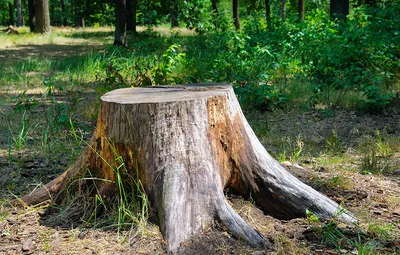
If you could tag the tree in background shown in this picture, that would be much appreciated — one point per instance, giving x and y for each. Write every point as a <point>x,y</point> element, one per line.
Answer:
<point>300,9</point>
<point>235,9</point>
<point>131,6</point>
<point>120,22</point>
<point>42,17</point>
<point>11,14</point>
<point>20,21</point>
<point>268,12</point>
<point>339,8</point>
<point>31,15</point>
<point>214,7</point>
<point>283,10</point>
<point>174,13</point>
<point>63,13</point>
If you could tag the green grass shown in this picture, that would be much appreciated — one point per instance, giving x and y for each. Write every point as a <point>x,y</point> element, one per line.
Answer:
<point>49,107</point>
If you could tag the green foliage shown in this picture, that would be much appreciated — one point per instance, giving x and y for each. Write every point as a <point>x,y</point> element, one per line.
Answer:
<point>321,63</point>
<point>24,102</point>
<point>333,142</point>
<point>262,97</point>
<point>383,231</point>
<point>21,136</point>
<point>196,14</point>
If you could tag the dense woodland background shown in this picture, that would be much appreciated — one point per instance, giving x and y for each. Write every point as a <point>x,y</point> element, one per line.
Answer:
<point>318,82</point>
<point>345,52</point>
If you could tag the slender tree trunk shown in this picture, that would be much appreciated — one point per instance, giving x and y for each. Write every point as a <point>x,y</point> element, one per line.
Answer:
<point>300,8</point>
<point>268,13</point>
<point>236,19</point>
<point>87,10</point>
<point>24,7</point>
<point>82,12</point>
<point>283,10</point>
<point>79,19</point>
<point>19,13</point>
<point>53,21</point>
<point>11,14</point>
<point>63,13</point>
<point>186,144</point>
<point>31,16</point>
<point>120,22</point>
<point>214,7</point>
<point>131,6</point>
<point>134,11</point>
<point>42,16</point>
<point>339,8</point>
<point>174,13</point>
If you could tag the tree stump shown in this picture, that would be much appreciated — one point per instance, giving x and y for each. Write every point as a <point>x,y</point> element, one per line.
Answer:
<point>189,143</point>
<point>10,30</point>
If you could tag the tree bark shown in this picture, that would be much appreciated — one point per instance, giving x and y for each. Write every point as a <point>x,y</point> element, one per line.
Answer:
<point>63,13</point>
<point>300,9</point>
<point>174,13</point>
<point>339,8</point>
<point>53,21</point>
<point>214,7</point>
<point>19,13</point>
<point>31,16</point>
<point>130,19</point>
<point>236,19</point>
<point>268,13</point>
<point>11,14</point>
<point>187,144</point>
<point>120,22</point>
<point>42,17</point>
<point>283,10</point>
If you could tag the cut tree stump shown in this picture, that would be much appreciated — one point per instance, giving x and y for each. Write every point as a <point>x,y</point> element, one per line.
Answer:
<point>10,30</point>
<point>188,143</point>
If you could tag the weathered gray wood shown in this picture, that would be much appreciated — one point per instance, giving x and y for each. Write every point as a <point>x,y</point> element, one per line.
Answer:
<point>190,143</point>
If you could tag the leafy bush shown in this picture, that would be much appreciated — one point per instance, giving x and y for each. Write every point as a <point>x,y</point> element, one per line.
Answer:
<point>319,62</point>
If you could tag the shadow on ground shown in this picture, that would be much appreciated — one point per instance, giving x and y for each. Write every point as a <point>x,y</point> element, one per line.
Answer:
<point>49,51</point>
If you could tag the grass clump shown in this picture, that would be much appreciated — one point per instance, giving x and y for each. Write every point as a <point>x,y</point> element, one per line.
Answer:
<point>376,154</point>
<point>352,238</point>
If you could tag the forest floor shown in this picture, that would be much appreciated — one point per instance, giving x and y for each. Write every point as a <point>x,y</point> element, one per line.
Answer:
<point>352,157</point>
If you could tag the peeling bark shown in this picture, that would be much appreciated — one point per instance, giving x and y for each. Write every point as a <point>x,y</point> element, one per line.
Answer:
<point>187,144</point>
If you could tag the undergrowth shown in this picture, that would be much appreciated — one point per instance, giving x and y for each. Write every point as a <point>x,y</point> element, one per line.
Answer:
<point>354,239</point>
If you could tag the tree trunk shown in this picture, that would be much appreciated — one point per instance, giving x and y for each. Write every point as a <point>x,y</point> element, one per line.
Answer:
<point>131,6</point>
<point>283,10</point>
<point>53,21</point>
<point>339,8</point>
<point>134,11</point>
<point>42,17</point>
<point>63,13</point>
<point>31,16</point>
<point>187,144</point>
<point>129,16</point>
<point>78,9</point>
<point>268,13</point>
<point>214,7</point>
<point>11,14</point>
<point>120,22</point>
<point>174,13</point>
<point>19,13</point>
<point>300,9</point>
<point>236,19</point>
